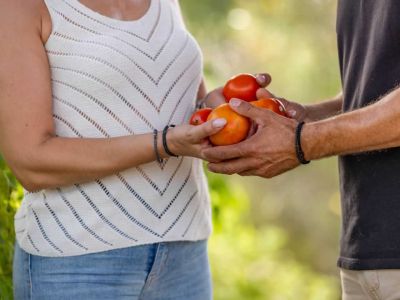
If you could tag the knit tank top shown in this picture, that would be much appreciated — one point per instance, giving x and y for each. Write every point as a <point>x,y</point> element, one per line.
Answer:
<point>115,78</point>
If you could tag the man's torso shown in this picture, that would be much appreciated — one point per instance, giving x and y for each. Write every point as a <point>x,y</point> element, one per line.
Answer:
<point>369,53</point>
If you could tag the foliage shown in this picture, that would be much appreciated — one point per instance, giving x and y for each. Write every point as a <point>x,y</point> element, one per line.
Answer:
<point>256,263</point>
<point>10,196</point>
<point>293,40</point>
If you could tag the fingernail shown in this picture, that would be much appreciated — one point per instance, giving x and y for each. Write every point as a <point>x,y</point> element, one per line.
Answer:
<point>219,123</point>
<point>292,113</point>
<point>261,77</point>
<point>235,102</point>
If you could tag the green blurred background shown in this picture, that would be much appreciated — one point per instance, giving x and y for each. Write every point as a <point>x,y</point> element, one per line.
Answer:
<point>273,239</point>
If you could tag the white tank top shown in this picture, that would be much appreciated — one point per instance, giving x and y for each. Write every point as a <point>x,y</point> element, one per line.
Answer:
<point>115,78</point>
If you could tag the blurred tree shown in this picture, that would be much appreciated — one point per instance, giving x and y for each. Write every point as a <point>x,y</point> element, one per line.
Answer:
<point>295,42</point>
<point>256,262</point>
<point>10,196</point>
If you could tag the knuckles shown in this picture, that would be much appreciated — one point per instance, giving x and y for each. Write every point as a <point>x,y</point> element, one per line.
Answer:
<point>253,150</point>
<point>189,135</point>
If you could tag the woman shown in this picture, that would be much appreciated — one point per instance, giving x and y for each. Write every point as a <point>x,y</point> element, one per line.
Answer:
<point>87,87</point>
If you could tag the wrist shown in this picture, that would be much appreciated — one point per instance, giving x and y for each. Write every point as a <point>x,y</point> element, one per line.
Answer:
<point>298,144</point>
<point>172,142</point>
<point>160,147</point>
<point>201,103</point>
<point>310,141</point>
<point>321,139</point>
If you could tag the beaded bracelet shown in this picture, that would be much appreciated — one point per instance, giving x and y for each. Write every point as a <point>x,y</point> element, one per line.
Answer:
<point>155,140</point>
<point>299,150</point>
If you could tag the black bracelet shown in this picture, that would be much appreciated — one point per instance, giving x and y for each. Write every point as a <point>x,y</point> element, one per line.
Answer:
<point>155,144</point>
<point>299,150</point>
<point>164,140</point>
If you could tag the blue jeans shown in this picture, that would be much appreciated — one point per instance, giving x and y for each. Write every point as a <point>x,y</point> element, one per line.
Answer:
<point>164,271</point>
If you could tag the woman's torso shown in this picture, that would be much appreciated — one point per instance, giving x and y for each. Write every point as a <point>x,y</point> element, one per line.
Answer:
<point>113,78</point>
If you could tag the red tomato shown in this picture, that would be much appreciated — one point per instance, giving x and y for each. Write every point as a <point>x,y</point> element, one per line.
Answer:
<point>200,116</point>
<point>272,104</point>
<point>242,86</point>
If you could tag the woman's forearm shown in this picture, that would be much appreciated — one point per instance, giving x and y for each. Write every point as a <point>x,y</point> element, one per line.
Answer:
<point>59,161</point>
<point>62,161</point>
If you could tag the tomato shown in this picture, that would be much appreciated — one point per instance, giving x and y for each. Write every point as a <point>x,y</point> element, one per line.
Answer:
<point>199,117</point>
<point>272,104</point>
<point>235,130</point>
<point>242,86</point>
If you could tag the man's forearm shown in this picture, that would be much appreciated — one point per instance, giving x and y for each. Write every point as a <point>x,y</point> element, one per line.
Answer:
<point>373,127</point>
<point>324,110</point>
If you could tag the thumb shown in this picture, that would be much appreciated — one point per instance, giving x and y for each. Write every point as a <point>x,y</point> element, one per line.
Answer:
<point>208,128</point>
<point>263,79</point>
<point>246,109</point>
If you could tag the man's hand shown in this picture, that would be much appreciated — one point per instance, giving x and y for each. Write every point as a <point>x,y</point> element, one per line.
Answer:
<point>268,153</point>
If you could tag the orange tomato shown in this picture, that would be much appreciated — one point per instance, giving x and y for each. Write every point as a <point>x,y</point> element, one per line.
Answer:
<point>235,130</point>
<point>272,104</point>
<point>242,86</point>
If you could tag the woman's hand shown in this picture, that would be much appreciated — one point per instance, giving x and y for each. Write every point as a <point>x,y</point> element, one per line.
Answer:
<point>188,140</point>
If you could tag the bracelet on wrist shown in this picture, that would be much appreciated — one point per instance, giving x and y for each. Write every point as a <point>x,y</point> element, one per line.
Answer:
<point>201,103</point>
<point>155,145</point>
<point>299,150</point>
<point>164,141</point>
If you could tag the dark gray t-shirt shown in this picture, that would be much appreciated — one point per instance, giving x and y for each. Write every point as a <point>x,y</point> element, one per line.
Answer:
<point>369,52</point>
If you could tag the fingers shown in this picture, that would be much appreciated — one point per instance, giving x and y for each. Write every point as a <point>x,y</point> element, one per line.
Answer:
<point>233,166</point>
<point>247,173</point>
<point>253,129</point>
<point>203,131</point>
<point>263,79</point>
<point>264,94</point>
<point>293,110</point>
<point>244,108</point>
<point>217,154</point>
<point>270,170</point>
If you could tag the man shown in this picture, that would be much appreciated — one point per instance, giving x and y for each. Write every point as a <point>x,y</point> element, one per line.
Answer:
<point>362,126</point>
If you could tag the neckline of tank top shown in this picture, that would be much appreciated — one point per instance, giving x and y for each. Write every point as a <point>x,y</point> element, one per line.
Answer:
<point>109,19</point>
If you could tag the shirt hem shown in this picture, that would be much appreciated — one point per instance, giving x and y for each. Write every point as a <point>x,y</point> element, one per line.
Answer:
<point>368,264</point>
<point>199,237</point>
